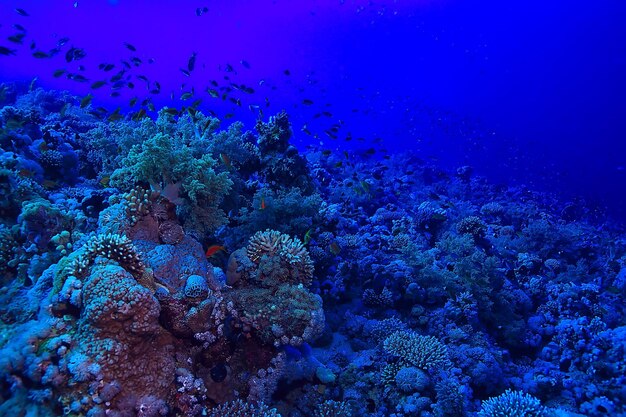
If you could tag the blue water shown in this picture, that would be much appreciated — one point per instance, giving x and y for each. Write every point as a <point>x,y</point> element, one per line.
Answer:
<point>323,208</point>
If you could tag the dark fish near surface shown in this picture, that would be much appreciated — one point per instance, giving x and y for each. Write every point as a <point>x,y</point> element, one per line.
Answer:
<point>74,54</point>
<point>136,61</point>
<point>17,38</point>
<point>185,72</point>
<point>307,102</point>
<point>98,84</point>
<point>245,64</point>
<point>61,42</point>
<point>201,10</point>
<point>130,47</point>
<point>58,73</point>
<point>21,12</point>
<point>191,64</point>
<point>41,54</point>
<point>19,27</point>
<point>6,51</point>
<point>106,67</point>
<point>77,77</point>
<point>287,72</point>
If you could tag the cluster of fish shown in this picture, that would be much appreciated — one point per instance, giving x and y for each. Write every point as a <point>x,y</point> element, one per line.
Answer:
<point>126,75</point>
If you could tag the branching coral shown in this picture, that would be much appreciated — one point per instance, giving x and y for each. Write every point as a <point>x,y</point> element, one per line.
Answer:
<point>239,408</point>
<point>412,349</point>
<point>275,247</point>
<point>512,404</point>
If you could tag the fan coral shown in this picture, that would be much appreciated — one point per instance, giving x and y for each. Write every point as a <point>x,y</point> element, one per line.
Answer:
<point>512,404</point>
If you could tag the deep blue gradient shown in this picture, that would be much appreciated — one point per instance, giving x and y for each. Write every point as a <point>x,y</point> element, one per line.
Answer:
<point>530,92</point>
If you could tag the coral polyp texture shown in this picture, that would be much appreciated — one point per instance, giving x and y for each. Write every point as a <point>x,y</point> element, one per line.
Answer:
<point>161,266</point>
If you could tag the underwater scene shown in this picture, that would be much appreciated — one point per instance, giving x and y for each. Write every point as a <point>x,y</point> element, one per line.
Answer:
<point>325,208</point>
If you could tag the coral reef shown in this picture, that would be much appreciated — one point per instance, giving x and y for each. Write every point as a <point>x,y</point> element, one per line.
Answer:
<point>162,266</point>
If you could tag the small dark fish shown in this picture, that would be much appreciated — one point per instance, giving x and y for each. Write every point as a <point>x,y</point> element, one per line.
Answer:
<point>307,102</point>
<point>61,42</point>
<point>201,10</point>
<point>245,64</point>
<point>21,12</point>
<point>130,85</point>
<point>155,91</point>
<point>186,96</point>
<point>118,76</point>
<point>185,72</point>
<point>81,68</point>
<point>6,51</point>
<point>130,47</point>
<point>327,114</point>
<point>115,115</point>
<point>139,115</point>
<point>86,101</point>
<point>17,38</point>
<point>287,72</point>
<point>143,78</point>
<point>229,115</point>
<point>191,64</point>
<point>115,94</point>
<point>118,85</point>
<point>19,27</point>
<point>196,103</point>
<point>229,68</point>
<point>74,54</point>
<point>132,102</point>
<point>136,61</point>
<point>214,83</point>
<point>77,77</point>
<point>213,93</point>
<point>171,111</point>
<point>126,64</point>
<point>151,106</point>
<point>151,61</point>
<point>106,67</point>
<point>32,45</point>
<point>58,73</point>
<point>98,84</point>
<point>41,54</point>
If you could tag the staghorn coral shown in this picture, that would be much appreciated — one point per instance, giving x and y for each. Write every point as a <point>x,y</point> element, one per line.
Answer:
<point>331,408</point>
<point>512,404</point>
<point>239,408</point>
<point>412,349</point>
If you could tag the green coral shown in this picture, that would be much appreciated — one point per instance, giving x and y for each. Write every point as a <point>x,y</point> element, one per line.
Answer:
<point>193,185</point>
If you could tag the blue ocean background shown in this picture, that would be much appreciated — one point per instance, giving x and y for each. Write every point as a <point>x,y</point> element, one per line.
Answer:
<point>312,208</point>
